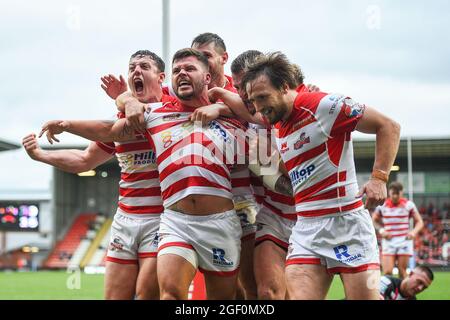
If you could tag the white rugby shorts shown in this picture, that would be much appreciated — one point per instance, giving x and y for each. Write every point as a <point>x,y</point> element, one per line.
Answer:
<point>273,227</point>
<point>211,243</point>
<point>397,246</point>
<point>343,242</point>
<point>133,236</point>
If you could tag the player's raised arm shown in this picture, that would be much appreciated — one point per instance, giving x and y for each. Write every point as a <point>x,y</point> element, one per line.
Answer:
<point>112,86</point>
<point>94,130</point>
<point>387,133</point>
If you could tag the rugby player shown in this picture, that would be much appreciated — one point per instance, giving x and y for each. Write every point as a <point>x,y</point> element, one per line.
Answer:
<point>199,228</point>
<point>392,221</point>
<point>213,47</point>
<point>131,257</point>
<point>334,232</point>
<point>406,289</point>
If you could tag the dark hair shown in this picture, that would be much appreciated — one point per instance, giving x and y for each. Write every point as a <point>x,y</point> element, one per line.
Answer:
<point>242,61</point>
<point>396,186</point>
<point>189,52</point>
<point>147,53</point>
<point>428,271</point>
<point>209,37</point>
<point>298,74</point>
<point>276,66</point>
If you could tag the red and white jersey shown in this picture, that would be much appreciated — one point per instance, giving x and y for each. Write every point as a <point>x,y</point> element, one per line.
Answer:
<point>139,191</point>
<point>240,182</point>
<point>191,160</point>
<point>316,147</point>
<point>275,202</point>
<point>395,217</point>
<point>240,179</point>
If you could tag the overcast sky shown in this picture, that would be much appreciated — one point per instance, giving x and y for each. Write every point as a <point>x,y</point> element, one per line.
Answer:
<point>393,55</point>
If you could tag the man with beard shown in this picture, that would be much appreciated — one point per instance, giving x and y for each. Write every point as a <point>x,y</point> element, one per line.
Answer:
<point>199,228</point>
<point>334,232</point>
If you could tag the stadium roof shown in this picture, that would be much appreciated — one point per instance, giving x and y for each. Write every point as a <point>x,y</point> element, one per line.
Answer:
<point>421,148</point>
<point>5,145</point>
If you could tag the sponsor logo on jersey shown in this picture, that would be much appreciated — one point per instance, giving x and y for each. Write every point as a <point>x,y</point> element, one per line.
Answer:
<point>171,117</point>
<point>131,160</point>
<point>303,123</point>
<point>301,141</point>
<point>343,256</point>
<point>219,258</point>
<point>352,109</point>
<point>298,176</point>
<point>176,133</point>
<point>218,131</point>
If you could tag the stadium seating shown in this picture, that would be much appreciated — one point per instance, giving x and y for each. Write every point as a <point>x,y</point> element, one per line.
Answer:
<point>98,257</point>
<point>433,236</point>
<point>65,248</point>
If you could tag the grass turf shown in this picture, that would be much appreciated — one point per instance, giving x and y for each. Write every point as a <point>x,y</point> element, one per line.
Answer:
<point>59,285</point>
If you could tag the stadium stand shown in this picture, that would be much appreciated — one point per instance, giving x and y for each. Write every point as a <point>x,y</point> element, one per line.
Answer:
<point>99,257</point>
<point>65,248</point>
<point>97,249</point>
<point>429,244</point>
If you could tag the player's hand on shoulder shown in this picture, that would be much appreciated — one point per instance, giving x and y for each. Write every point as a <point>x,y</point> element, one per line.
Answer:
<point>205,114</point>
<point>52,128</point>
<point>312,88</point>
<point>113,86</point>
<point>375,191</point>
<point>134,111</point>
<point>31,146</point>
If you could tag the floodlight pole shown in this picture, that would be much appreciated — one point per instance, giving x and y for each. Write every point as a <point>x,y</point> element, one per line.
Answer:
<point>410,175</point>
<point>3,246</point>
<point>166,33</point>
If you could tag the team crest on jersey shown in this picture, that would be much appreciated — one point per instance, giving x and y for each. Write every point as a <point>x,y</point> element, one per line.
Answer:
<point>302,141</point>
<point>352,109</point>
<point>284,148</point>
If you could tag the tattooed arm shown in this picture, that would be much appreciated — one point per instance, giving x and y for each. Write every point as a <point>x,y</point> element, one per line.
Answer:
<point>95,130</point>
<point>284,186</point>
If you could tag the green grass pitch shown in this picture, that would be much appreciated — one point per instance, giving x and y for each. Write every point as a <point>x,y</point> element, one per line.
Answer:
<point>59,285</point>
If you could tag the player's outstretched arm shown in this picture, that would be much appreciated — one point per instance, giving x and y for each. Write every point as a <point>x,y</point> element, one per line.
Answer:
<point>69,160</point>
<point>235,103</point>
<point>94,130</point>
<point>387,133</point>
